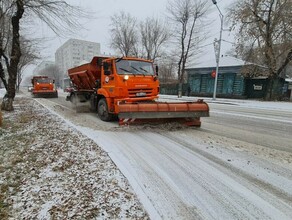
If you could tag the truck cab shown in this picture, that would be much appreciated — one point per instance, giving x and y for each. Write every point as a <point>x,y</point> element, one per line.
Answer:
<point>114,81</point>
<point>129,79</point>
<point>43,86</point>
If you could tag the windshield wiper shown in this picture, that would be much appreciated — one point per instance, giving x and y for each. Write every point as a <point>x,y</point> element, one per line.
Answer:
<point>134,68</point>
<point>141,68</point>
<point>124,69</point>
<point>138,71</point>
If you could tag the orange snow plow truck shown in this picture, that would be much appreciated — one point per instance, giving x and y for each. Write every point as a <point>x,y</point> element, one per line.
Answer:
<point>43,86</point>
<point>128,87</point>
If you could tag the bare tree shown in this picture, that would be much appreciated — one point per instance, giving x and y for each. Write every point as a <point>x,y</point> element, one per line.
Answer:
<point>53,72</point>
<point>187,18</point>
<point>5,40</point>
<point>153,35</point>
<point>26,80</point>
<point>167,68</point>
<point>57,14</point>
<point>29,56</point>
<point>264,34</point>
<point>28,47</point>
<point>124,36</point>
<point>12,64</point>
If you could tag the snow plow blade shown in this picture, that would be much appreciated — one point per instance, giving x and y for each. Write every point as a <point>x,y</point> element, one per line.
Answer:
<point>187,113</point>
<point>45,94</point>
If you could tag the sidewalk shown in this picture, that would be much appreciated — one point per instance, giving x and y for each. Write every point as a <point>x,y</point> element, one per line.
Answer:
<point>285,106</point>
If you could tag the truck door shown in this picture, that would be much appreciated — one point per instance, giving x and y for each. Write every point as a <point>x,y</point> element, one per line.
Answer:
<point>108,79</point>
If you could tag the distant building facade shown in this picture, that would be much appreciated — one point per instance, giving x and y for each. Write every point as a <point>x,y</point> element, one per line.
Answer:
<point>41,66</point>
<point>232,83</point>
<point>74,52</point>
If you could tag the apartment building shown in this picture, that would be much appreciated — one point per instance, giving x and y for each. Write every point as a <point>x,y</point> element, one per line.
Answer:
<point>75,52</point>
<point>41,66</point>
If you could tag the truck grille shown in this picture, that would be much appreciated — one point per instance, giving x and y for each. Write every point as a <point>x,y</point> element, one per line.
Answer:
<point>134,93</point>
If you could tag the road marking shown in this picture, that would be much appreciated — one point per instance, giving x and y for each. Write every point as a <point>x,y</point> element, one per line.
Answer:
<point>251,116</point>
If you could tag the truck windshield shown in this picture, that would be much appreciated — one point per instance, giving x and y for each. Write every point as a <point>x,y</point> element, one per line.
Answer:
<point>134,67</point>
<point>44,80</point>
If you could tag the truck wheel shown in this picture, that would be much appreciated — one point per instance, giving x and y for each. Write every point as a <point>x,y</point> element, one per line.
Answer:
<point>102,110</point>
<point>93,103</point>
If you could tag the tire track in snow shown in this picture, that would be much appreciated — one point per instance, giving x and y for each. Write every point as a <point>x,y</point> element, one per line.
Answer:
<point>280,196</point>
<point>154,178</point>
<point>201,186</point>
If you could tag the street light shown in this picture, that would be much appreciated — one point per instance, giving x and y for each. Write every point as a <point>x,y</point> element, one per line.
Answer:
<point>219,48</point>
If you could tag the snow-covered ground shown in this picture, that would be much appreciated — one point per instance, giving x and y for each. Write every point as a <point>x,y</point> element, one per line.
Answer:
<point>50,170</point>
<point>176,173</point>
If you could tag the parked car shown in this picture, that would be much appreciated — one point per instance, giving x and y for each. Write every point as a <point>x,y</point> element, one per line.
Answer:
<point>68,89</point>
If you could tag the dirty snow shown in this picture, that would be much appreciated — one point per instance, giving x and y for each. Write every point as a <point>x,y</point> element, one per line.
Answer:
<point>178,173</point>
<point>55,172</point>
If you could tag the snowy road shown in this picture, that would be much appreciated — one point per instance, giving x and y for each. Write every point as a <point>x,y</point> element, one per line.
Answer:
<point>231,168</point>
<point>270,126</point>
<point>186,180</point>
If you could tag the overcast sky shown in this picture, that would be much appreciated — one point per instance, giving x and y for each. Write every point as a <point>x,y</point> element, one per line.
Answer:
<point>97,29</point>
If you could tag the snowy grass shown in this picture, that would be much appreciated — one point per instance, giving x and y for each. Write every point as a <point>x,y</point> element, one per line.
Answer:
<point>49,170</point>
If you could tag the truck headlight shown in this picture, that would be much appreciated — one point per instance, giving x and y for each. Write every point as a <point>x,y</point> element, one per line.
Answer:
<point>126,77</point>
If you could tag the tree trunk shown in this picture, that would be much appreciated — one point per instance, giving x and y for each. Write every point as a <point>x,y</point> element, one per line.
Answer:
<point>7,103</point>
<point>179,89</point>
<point>269,89</point>
<point>272,89</point>
<point>2,76</point>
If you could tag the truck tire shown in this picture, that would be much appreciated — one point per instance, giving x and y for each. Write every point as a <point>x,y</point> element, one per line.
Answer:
<point>102,110</point>
<point>93,103</point>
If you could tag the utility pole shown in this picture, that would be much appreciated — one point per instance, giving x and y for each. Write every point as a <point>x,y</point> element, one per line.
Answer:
<point>217,49</point>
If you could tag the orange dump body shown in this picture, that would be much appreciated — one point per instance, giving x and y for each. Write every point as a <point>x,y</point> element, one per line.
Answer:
<point>130,87</point>
<point>84,77</point>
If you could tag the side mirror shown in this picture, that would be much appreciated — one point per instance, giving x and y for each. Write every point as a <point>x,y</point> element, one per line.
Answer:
<point>107,72</point>
<point>106,68</point>
<point>99,61</point>
<point>156,70</point>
